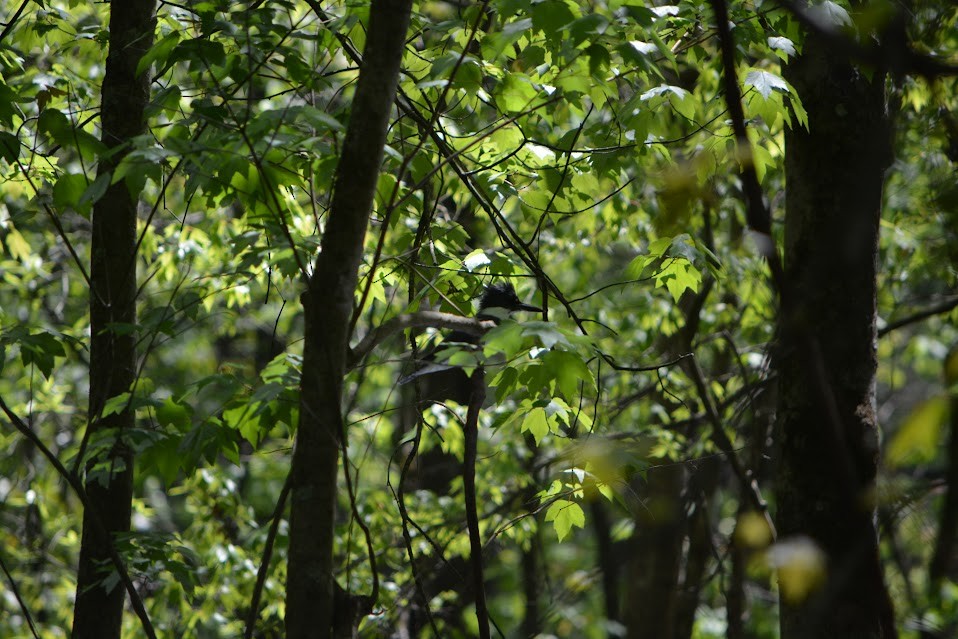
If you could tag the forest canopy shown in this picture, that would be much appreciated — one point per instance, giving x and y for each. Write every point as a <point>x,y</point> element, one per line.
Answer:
<point>503,318</point>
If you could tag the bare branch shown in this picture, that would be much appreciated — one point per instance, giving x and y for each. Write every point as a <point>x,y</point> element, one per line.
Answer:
<point>931,311</point>
<point>421,319</point>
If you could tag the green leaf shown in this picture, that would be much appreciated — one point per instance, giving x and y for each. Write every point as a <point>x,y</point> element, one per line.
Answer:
<point>140,164</point>
<point>504,382</point>
<point>494,44</point>
<point>599,59</point>
<point>565,515</point>
<point>93,193</point>
<point>68,190</point>
<point>515,93</point>
<point>61,130</point>
<point>172,413</point>
<point>537,423</point>
<point>116,405</point>
<point>800,114</point>
<point>9,147</point>
<point>547,333</point>
<point>8,98</point>
<point>201,53</point>
<point>41,350</point>
<point>506,338</point>
<point>551,16</point>
<point>588,27</point>
<point>830,15</point>
<point>642,15</point>
<point>570,372</point>
<point>765,82</point>
<point>159,53</point>
<point>245,419</point>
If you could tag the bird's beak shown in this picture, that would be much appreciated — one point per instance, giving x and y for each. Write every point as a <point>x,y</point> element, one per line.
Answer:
<point>530,308</point>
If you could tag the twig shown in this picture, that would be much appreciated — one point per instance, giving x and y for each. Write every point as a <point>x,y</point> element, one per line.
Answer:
<point>469,489</point>
<point>931,311</point>
<point>80,491</point>
<point>16,594</point>
<point>745,476</point>
<point>13,21</point>
<point>267,555</point>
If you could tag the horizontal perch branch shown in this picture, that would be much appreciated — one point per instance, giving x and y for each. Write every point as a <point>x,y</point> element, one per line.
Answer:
<point>421,319</point>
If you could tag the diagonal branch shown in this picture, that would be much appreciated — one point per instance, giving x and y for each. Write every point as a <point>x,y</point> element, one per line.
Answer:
<point>938,309</point>
<point>77,487</point>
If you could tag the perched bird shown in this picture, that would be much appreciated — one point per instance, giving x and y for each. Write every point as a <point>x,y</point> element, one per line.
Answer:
<point>442,381</point>
<point>438,381</point>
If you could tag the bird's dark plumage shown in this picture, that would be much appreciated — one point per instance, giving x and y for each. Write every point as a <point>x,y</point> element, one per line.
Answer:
<point>503,295</point>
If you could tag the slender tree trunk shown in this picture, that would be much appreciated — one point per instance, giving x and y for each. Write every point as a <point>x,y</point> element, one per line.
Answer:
<point>702,484</point>
<point>653,600</point>
<point>653,572</point>
<point>109,486</point>
<point>608,563</point>
<point>944,557</point>
<point>328,305</point>
<point>827,357</point>
<point>532,570</point>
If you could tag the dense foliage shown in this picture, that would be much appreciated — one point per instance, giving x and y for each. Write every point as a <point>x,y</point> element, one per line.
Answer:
<point>583,152</point>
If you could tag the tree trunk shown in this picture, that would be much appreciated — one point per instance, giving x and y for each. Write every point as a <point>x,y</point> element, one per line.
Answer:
<point>944,558</point>
<point>827,356</point>
<point>328,305</point>
<point>652,587</point>
<point>109,485</point>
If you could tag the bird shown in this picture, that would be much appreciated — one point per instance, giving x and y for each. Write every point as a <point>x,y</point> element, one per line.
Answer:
<point>442,381</point>
<point>438,381</point>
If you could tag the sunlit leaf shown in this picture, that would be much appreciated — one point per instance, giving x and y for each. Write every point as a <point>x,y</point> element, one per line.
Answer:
<point>565,515</point>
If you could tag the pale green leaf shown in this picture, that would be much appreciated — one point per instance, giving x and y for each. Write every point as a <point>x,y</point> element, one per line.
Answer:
<point>565,515</point>
<point>536,423</point>
<point>765,82</point>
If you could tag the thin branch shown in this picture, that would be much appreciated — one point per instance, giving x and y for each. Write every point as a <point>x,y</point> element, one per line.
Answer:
<point>373,597</point>
<point>13,21</point>
<point>263,571</point>
<point>74,482</point>
<point>938,309</point>
<point>756,213</point>
<point>744,475</point>
<point>420,319</point>
<point>478,395</point>
<point>400,496</point>
<point>16,595</point>
<point>56,225</point>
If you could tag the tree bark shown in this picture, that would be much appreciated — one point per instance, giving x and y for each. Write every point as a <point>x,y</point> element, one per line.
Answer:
<point>827,355</point>
<point>944,558</point>
<point>653,572</point>
<point>328,305</point>
<point>109,485</point>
